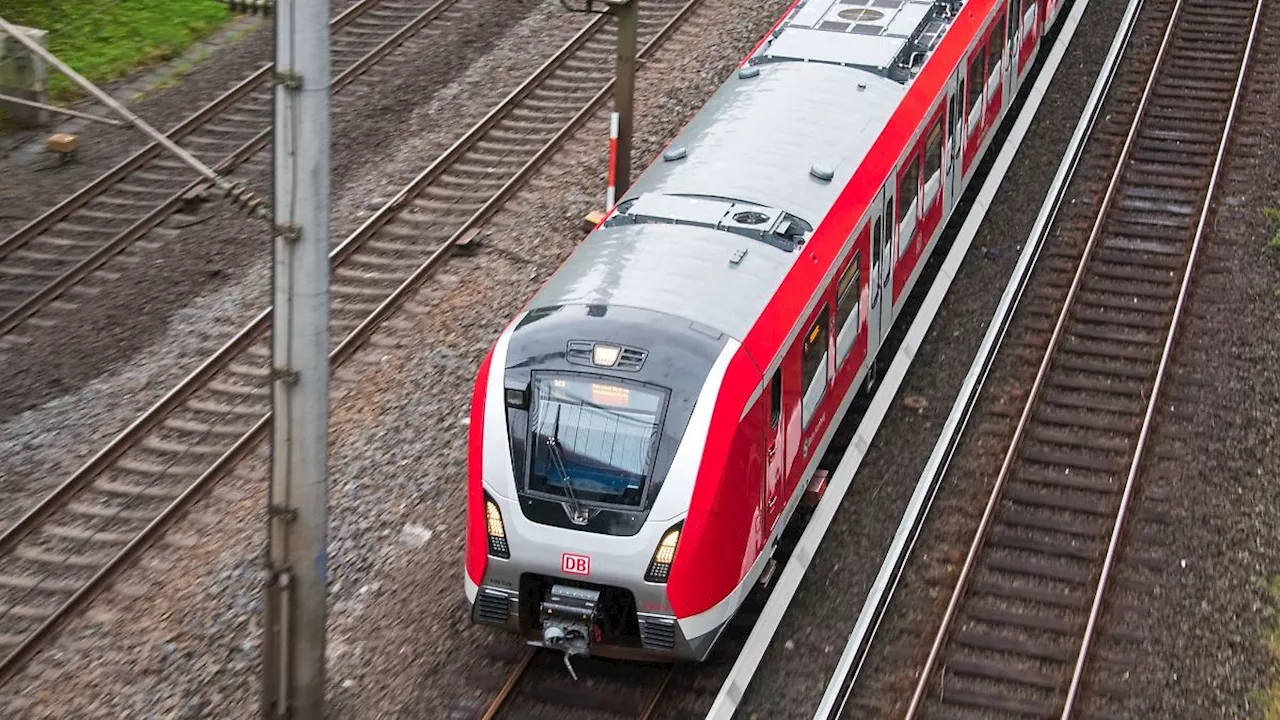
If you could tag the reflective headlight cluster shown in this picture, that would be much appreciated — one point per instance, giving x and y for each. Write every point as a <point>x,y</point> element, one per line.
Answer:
<point>660,565</point>
<point>494,529</point>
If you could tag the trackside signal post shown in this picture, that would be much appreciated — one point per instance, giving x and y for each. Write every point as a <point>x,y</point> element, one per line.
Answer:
<point>624,89</point>
<point>627,13</point>
<point>295,580</point>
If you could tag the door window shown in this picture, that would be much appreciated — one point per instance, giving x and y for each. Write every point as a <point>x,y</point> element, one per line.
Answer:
<point>973,84</point>
<point>908,192</point>
<point>775,399</point>
<point>814,366</point>
<point>849,294</point>
<point>995,43</point>
<point>933,163</point>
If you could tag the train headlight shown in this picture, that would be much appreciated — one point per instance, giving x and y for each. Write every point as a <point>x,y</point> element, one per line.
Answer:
<point>497,533</point>
<point>660,565</point>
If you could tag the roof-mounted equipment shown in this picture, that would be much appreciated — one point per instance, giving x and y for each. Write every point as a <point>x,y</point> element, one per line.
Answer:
<point>768,225</point>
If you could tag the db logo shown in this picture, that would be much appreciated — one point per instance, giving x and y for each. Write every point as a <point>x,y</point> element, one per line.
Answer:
<point>575,564</point>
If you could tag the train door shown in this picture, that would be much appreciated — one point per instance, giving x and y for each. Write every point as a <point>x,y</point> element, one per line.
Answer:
<point>775,455</point>
<point>880,314</point>
<point>955,138</point>
<point>996,65</point>
<point>1030,25</point>
<point>974,82</point>
<point>1015,45</point>
<point>815,379</point>
<point>1050,12</point>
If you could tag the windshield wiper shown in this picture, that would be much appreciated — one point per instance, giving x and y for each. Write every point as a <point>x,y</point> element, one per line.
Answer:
<point>579,515</point>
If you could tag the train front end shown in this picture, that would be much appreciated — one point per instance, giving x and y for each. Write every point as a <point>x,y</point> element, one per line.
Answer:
<point>582,461</point>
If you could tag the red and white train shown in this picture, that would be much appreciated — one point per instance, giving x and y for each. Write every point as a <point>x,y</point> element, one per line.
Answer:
<point>642,432</point>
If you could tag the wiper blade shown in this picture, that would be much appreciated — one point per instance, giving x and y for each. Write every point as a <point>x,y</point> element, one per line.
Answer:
<point>579,515</point>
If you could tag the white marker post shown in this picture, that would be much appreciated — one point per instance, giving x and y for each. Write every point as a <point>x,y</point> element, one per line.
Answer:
<point>611,193</point>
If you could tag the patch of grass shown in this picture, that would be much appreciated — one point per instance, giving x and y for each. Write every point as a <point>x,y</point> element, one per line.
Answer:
<point>104,40</point>
<point>1274,214</point>
<point>1271,703</point>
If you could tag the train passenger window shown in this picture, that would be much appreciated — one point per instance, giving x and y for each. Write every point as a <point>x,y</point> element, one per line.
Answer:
<point>996,55</point>
<point>814,366</point>
<point>977,73</point>
<point>848,295</point>
<point>933,163</point>
<point>908,192</point>
<point>997,38</point>
<point>775,398</point>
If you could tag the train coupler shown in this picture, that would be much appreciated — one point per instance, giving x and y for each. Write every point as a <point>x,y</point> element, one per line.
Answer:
<point>569,621</point>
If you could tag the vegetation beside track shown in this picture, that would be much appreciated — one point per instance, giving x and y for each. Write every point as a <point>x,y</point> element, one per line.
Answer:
<point>105,40</point>
<point>1274,214</point>
<point>1271,702</point>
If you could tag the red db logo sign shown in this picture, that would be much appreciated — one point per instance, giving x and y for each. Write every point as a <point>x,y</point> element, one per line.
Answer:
<point>575,564</point>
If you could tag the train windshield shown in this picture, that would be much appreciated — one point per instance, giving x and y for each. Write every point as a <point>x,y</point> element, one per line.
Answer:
<point>593,440</point>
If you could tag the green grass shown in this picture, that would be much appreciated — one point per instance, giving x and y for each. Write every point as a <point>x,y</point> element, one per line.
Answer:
<point>1274,214</point>
<point>104,40</point>
<point>1271,702</point>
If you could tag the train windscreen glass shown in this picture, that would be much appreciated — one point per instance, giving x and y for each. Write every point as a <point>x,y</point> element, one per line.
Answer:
<point>593,440</point>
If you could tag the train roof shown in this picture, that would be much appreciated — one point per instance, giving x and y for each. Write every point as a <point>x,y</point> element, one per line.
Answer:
<point>637,266</point>
<point>759,138</point>
<point>891,38</point>
<point>709,231</point>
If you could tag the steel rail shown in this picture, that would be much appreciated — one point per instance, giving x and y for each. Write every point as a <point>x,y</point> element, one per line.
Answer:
<point>152,418</point>
<point>1023,421</point>
<point>1165,356</point>
<point>122,240</point>
<point>841,686</point>
<point>1051,353</point>
<point>500,700</point>
<point>652,708</point>
<point>185,127</point>
<point>520,672</point>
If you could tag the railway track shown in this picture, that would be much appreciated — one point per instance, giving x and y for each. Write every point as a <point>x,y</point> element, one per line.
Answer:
<point>51,256</point>
<point>1017,632</point>
<point>98,520</point>
<point>540,686</point>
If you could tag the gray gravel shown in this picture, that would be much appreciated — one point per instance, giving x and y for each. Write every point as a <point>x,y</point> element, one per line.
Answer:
<point>179,633</point>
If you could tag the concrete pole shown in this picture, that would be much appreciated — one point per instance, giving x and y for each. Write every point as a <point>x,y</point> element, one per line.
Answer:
<point>295,593</point>
<point>624,89</point>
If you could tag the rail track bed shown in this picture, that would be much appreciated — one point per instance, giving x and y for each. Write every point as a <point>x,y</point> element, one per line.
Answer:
<point>1016,637</point>
<point>61,552</point>
<point>50,258</point>
<point>540,685</point>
